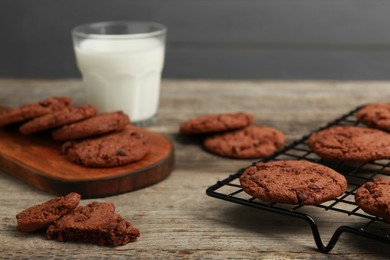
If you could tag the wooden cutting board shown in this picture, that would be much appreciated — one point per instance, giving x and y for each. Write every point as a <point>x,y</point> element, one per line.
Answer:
<point>37,160</point>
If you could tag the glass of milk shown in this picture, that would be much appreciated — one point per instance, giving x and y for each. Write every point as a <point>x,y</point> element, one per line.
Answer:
<point>121,64</point>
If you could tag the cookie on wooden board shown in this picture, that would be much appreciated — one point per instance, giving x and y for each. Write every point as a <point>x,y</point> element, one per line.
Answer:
<point>351,143</point>
<point>216,123</point>
<point>58,118</point>
<point>373,197</point>
<point>95,223</point>
<point>110,150</point>
<point>292,182</point>
<point>376,115</point>
<point>33,110</point>
<point>249,142</point>
<point>97,125</point>
<point>42,215</point>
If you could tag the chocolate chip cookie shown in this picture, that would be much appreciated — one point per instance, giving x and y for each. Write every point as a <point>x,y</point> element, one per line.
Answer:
<point>292,182</point>
<point>375,115</point>
<point>42,215</point>
<point>95,223</point>
<point>351,143</point>
<point>249,142</point>
<point>114,149</point>
<point>58,118</point>
<point>216,123</point>
<point>97,125</point>
<point>33,110</point>
<point>373,197</point>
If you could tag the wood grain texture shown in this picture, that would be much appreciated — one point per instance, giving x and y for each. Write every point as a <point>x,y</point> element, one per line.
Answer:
<point>37,160</point>
<point>177,220</point>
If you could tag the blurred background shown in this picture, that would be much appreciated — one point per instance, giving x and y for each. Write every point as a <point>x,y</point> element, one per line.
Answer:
<point>211,39</point>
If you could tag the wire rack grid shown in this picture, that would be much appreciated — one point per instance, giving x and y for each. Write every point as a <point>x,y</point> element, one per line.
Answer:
<point>356,174</point>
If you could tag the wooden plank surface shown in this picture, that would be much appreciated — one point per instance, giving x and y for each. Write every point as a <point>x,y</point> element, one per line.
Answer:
<point>176,218</point>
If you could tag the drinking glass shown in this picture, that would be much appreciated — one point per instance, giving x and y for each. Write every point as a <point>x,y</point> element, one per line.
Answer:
<point>121,64</point>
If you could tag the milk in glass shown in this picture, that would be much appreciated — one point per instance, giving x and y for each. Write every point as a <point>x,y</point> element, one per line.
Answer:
<point>122,74</point>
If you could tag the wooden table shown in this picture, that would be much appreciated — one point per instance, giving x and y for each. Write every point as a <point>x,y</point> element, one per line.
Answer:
<point>176,218</point>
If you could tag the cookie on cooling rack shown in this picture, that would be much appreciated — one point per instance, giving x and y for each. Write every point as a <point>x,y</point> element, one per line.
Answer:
<point>373,197</point>
<point>351,143</point>
<point>42,215</point>
<point>33,110</point>
<point>292,182</point>
<point>216,123</point>
<point>97,125</point>
<point>58,118</point>
<point>110,150</point>
<point>249,142</point>
<point>375,115</point>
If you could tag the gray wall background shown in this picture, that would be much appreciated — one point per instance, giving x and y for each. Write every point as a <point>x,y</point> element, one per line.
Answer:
<point>216,39</point>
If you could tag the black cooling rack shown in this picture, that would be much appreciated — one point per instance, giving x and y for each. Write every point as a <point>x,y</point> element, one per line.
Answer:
<point>356,174</point>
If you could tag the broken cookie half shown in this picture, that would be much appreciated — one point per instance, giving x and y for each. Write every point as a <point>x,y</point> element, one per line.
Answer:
<point>96,222</point>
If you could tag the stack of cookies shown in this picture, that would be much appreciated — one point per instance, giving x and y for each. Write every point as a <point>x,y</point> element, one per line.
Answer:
<point>90,139</point>
<point>65,220</point>
<point>232,135</point>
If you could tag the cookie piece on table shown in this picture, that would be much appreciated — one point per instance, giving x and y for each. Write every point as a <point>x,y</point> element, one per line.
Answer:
<point>216,123</point>
<point>33,110</point>
<point>114,149</point>
<point>351,143</point>
<point>58,118</point>
<point>42,215</point>
<point>97,125</point>
<point>373,197</point>
<point>249,142</point>
<point>375,115</point>
<point>292,182</point>
<point>95,223</point>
